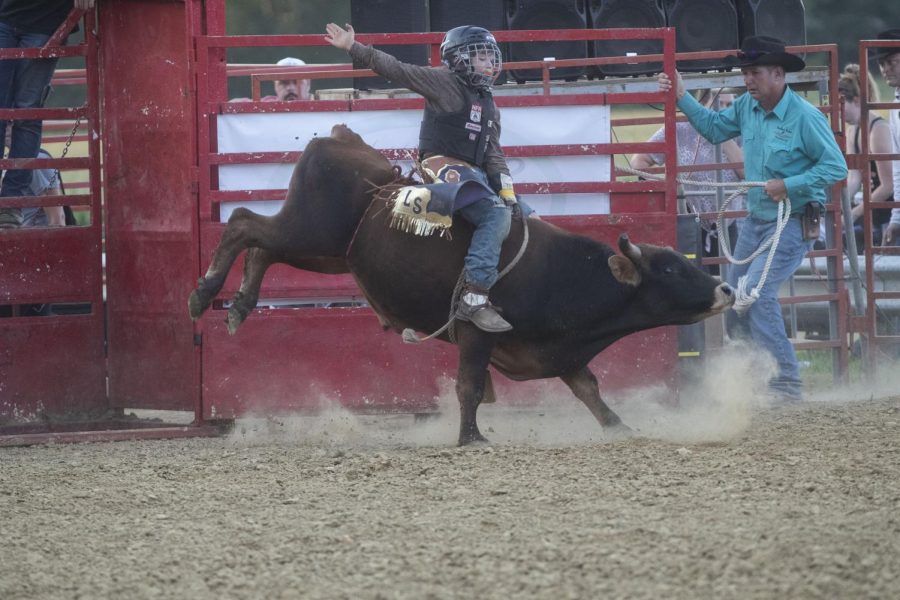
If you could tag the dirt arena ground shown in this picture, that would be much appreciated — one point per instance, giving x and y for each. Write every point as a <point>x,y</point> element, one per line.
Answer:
<point>723,497</point>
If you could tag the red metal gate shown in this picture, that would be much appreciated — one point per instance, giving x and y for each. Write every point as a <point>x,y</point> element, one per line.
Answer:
<point>149,154</point>
<point>879,326</point>
<point>55,366</point>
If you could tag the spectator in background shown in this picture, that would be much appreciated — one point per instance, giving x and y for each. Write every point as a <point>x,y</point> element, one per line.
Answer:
<point>878,176</point>
<point>889,63</point>
<point>44,182</point>
<point>286,90</point>
<point>24,83</point>
<point>694,149</point>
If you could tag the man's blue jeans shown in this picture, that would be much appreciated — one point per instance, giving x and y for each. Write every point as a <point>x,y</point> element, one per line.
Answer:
<point>764,317</point>
<point>22,85</point>
<point>491,218</point>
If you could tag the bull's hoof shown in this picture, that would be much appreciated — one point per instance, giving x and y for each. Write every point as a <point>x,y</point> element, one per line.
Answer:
<point>619,431</point>
<point>475,439</point>
<point>196,305</point>
<point>234,320</point>
<point>235,317</point>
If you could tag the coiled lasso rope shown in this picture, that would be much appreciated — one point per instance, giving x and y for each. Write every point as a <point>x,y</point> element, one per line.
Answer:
<point>743,298</point>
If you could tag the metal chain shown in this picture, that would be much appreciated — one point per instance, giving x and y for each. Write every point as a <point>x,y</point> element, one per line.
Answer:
<point>55,178</point>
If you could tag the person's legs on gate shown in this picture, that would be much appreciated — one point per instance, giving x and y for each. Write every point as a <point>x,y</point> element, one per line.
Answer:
<point>766,321</point>
<point>8,39</point>
<point>30,82</point>
<point>9,217</point>
<point>491,218</point>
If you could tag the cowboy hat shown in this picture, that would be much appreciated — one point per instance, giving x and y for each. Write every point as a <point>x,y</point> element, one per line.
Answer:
<point>890,34</point>
<point>763,50</point>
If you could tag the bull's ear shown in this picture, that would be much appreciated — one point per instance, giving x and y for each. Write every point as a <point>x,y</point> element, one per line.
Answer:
<point>624,270</point>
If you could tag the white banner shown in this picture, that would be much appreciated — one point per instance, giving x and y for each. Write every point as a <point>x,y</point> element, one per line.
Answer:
<point>522,126</point>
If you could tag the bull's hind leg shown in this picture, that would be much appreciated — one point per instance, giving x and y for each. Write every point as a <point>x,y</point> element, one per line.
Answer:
<point>256,262</point>
<point>584,385</point>
<point>245,228</point>
<point>475,348</point>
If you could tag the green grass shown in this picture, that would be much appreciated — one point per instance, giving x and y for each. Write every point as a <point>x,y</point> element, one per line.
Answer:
<point>816,369</point>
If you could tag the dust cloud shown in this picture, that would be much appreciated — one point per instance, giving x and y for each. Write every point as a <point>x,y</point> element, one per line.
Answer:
<point>716,405</point>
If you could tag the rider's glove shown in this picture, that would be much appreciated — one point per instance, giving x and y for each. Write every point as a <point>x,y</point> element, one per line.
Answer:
<point>507,193</point>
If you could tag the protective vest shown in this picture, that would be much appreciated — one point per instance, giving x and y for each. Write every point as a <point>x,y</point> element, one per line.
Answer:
<point>464,134</point>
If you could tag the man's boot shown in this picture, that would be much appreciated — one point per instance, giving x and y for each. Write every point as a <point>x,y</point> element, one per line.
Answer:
<point>10,218</point>
<point>474,306</point>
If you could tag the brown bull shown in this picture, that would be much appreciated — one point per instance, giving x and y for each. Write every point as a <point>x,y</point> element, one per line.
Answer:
<point>568,298</point>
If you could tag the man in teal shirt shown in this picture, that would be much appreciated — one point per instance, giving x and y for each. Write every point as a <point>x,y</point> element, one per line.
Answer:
<point>789,145</point>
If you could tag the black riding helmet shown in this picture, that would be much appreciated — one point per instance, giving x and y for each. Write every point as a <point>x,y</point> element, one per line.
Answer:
<point>462,44</point>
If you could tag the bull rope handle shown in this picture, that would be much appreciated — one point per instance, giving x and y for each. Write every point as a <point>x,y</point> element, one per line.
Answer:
<point>743,298</point>
<point>409,335</point>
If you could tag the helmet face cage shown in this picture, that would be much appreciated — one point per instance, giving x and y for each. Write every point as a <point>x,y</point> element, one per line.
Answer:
<point>463,45</point>
<point>464,63</point>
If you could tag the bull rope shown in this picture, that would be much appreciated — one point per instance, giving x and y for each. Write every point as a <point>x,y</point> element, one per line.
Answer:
<point>383,193</point>
<point>743,299</point>
<point>409,335</point>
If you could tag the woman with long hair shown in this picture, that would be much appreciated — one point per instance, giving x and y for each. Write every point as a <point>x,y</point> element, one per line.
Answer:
<point>878,176</point>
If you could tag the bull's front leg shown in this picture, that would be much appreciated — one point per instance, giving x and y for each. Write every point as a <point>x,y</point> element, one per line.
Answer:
<point>584,385</point>
<point>475,348</point>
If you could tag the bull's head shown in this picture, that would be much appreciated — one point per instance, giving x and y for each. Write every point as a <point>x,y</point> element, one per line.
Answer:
<point>671,283</point>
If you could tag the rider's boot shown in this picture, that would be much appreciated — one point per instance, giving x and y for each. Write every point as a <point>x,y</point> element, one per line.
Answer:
<point>474,306</point>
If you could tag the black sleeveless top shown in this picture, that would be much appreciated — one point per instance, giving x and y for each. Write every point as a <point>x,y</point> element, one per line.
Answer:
<point>880,216</point>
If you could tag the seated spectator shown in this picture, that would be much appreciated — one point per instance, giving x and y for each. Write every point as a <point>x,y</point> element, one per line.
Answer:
<point>44,182</point>
<point>888,58</point>
<point>286,90</point>
<point>878,176</point>
<point>694,149</point>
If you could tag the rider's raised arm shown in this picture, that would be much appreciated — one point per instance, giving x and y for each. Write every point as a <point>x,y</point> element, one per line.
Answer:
<point>436,84</point>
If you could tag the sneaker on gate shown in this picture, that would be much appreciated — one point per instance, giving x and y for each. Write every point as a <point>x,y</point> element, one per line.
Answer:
<point>10,218</point>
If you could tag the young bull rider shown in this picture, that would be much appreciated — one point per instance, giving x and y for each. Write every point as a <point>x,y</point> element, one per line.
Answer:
<point>789,145</point>
<point>459,141</point>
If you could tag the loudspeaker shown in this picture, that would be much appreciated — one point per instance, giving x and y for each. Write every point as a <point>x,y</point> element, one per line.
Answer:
<point>692,21</point>
<point>447,14</point>
<point>390,16</point>
<point>783,19</point>
<point>546,14</point>
<point>617,14</point>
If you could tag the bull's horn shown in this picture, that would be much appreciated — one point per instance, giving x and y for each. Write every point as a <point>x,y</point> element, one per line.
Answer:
<point>629,249</point>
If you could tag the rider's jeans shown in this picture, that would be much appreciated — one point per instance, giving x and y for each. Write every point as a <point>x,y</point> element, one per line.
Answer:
<point>23,84</point>
<point>764,317</point>
<point>491,218</point>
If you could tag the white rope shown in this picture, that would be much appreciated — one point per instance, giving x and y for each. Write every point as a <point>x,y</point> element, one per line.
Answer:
<point>743,298</point>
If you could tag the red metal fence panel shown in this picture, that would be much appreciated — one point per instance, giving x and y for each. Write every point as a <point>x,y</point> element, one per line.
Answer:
<point>54,367</point>
<point>149,153</point>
